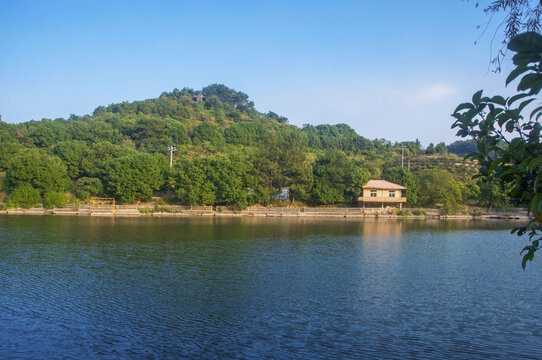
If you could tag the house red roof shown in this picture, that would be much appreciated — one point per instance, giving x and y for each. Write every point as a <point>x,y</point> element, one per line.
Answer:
<point>383,185</point>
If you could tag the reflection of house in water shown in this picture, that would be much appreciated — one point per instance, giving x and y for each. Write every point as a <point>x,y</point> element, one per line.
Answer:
<point>387,230</point>
<point>380,193</point>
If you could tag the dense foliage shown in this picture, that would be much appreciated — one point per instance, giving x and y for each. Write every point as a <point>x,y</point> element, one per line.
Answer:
<point>227,153</point>
<point>517,16</point>
<point>508,134</point>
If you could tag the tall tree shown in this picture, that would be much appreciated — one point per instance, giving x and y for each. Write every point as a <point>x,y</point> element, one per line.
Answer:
<point>41,170</point>
<point>134,177</point>
<point>404,177</point>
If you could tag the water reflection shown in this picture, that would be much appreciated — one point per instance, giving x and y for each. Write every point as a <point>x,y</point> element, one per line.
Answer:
<point>253,288</point>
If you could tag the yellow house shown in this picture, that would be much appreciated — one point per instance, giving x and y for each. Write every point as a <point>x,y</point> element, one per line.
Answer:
<point>382,192</point>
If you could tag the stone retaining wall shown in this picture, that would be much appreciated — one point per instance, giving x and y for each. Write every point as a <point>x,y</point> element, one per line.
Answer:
<point>256,211</point>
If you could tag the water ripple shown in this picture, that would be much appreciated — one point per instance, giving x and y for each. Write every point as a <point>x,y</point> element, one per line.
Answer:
<point>201,289</point>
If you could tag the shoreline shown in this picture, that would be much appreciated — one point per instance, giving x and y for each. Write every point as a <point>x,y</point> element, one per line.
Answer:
<point>277,212</point>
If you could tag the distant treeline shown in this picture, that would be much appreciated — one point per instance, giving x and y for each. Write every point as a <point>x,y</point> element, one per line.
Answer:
<point>226,153</point>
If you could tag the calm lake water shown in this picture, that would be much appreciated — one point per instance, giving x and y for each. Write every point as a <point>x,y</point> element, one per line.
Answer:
<point>101,288</point>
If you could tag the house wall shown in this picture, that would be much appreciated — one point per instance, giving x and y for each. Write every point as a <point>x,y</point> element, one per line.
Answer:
<point>382,194</point>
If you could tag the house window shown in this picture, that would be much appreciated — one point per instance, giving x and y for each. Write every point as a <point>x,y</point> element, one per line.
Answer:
<point>373,193</point>
<point>391,193</point>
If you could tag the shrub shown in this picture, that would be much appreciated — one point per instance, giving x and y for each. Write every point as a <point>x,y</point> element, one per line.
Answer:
<point>86,187</point>
<point>24,196</point>
<point>54,199</point>
<point>404,213</point>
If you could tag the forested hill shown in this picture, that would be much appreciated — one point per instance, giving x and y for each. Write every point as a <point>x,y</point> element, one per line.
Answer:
<point>226,152</point>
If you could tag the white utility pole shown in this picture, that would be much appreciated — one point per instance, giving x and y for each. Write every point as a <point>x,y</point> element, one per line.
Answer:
<point>171,149</point>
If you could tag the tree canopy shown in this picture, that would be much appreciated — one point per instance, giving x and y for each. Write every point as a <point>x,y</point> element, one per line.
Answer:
<point>228,153</point>
<point>507,132</point>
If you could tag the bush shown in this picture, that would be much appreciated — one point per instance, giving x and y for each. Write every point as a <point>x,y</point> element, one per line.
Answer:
<point>159,209</point>
<point>86,187</point>
<point>54,199</point>
<point>418,212</point>
<point>38,169</point>
<point>24,196</point>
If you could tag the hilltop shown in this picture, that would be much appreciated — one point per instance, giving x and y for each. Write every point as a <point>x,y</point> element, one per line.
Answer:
<point>227,152</point>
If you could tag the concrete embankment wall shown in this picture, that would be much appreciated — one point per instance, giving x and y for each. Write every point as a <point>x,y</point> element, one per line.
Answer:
<point>257,211</point>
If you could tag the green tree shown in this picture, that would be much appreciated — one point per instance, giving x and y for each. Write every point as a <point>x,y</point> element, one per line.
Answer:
<point>93,131</point>
<point>52,199</point>
<point>441,148</point>
<point>23,195</point>
<point>430,149</point>
<point>8,149</point>
<point>227,95</point>
<point>230,176</point>
<point>508,132</point>
<point>86,187</point>
<point>176,131</point>
<point>75,154</point>
<point>462,147</point>
<point>404,177</point>
<point>282,161</point>
<point>238,134</point>
<point>356,178</point>
<point>134,177</point>
<point>439,187</point>
<point>208,131</point>
<point>491,194</point>
<point>41,170</point>
<point>293,163</point>
<point>46,133</point>
<point>331,178</point>
<point>194,182</point>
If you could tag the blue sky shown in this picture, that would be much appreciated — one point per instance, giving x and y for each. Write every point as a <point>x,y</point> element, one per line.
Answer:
<point>391,69</point>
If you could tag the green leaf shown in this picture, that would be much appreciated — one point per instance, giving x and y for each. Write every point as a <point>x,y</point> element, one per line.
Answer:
<point>525,103</point>
<point>509,171</point>
<point>515,73</point>
<point>524,59</point>
<point>476,97</point>
<point>497,99</point>
<point>536,88</point>
<point>528,42</point>
<point>524,261</point>
<point>510,126</point>
<point>502,118</point>
<point>536,110</point>
<point>537,204</point>
<point>529,81</point>
<point>471,155</point>
<point>516,98</point>
<point>463,107</point>
<point>534,163</point>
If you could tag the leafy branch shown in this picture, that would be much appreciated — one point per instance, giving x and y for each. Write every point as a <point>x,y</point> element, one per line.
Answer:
<point>508,134</point>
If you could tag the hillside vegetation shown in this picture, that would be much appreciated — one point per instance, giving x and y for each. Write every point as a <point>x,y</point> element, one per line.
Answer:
<point>227,152</point>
